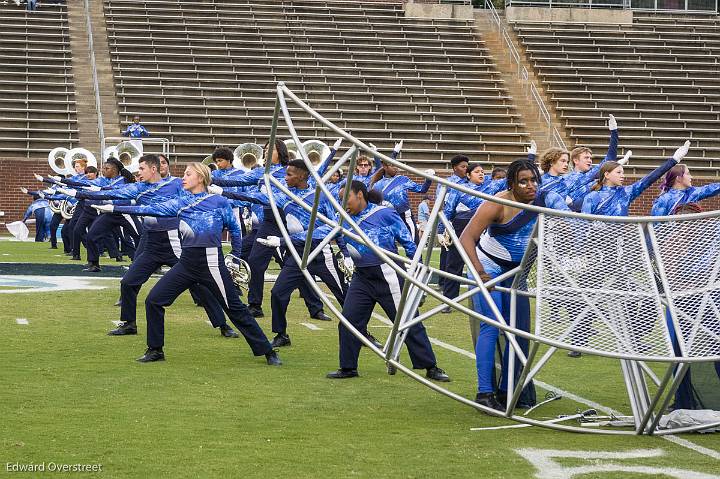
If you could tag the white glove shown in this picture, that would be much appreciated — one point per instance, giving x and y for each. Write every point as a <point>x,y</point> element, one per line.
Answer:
<point>533,148</point>
<point>56,178</point>
<point>270,241</point>
<point>681,152</point>
<point>430,172</point>
<point>215,190</point>
<point>104,208</point>
<point>337,144</point>
<point>38,177</point>
<point>612,123</point>
<point>24,190</point>
<point>625,159</point>
<point>41,194</point>
<point>398,146</point>
<point>349,263</point>
<point>50,191</point>
<point>67,192</point>
<point>94,188</point>
<point>373,146</point>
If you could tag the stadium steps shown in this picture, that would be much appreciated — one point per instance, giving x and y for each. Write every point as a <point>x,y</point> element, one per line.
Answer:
<point>37,88</point>
<point>205,75</point>
<point>660,77</point>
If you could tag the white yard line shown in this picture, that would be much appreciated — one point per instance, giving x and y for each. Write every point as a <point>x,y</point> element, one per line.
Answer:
<point>599,407</point>
<point>311,327</point>
<point>22,321</point>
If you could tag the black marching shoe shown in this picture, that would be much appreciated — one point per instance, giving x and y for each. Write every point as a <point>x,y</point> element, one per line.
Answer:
<point>92,268</point>
<point>280,340</point>
<point>574,354</point>
<point>273,359</point>
<point>321,316</point>
<point>123,329</point>
<point>488,400</point>
<point>53,247</point>
<point>437,374</point>
<point>119,259</point>
<point>75,258</point>
<point>502,399</point>
<point>228,332</point>
<point>342,374</point>
<point>151,355</point>
<point>256,311</point>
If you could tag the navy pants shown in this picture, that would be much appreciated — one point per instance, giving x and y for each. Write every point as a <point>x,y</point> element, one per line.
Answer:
<point>324,265</point>
<point>101,234</point>
<point>453,262</point>
<point>206,267</point>
<point>161,248</point>
<point>83,223</point>
<point>54,223</point>
<point>381,285</point>
<point>259,259</point>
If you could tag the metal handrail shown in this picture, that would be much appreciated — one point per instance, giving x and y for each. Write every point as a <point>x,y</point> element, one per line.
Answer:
<point>96,83</point>
<point>522,72</point>
<point>153,141</point>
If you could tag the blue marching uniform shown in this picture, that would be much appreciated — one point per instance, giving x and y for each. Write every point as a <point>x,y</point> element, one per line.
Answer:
<point>395,191</point>
<point>615,200</point>
<point>202,218</point>
<point>323,265</point>
<point>459,208</point>
<point>374,282</point>
<point>136,130</point>
<point>160,246</point>
<point>581,183</point>
<point>666,203</point>
<point>260,255</point>
<point>40,210</point>
<point>501,248</point>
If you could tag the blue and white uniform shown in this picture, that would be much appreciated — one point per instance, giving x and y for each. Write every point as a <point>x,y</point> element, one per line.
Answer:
<point>615,200</point>
<point>374,282</point>
<point>136,130</point>
<point>323,265</point>
<point>40,210</point>
<point>666,203</point>
<point>581,182</point>
<point>202,218</point>
<point>501,248</point>
<point>395,192</point>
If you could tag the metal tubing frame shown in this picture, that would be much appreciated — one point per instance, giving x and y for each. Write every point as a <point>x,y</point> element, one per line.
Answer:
<point>282,91</point>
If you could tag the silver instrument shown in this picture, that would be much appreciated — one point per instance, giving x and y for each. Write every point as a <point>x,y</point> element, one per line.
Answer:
<point>248,156</point>
<point>316,152</point>
<point>67,209</point>
<point>56,160</point>
<point>77,154</point>
<point>239,271</point>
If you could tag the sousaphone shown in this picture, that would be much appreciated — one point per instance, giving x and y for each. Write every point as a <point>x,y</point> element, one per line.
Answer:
<point>77,154</point>
<point>316,151</point>
<point>292,149</point>
<point>248,156</point>
<point>129,153</point>
<point>56,160</point>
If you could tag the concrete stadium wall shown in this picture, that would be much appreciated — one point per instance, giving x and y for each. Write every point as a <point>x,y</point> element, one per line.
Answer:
<point>580,15</point>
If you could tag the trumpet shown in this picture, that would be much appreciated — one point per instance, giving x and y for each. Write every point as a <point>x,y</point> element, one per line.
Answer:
<point>239,271</point>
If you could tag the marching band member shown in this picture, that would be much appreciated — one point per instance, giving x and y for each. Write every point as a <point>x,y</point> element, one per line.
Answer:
<point>136,130</point>
<point>459,165</point>
<point>394,189</point>
<point>499,235</point>
<point>202,218</point>
<point>298,223</point>
<point>261,254</point>
<point>161,244</point>
<point>677,190</point>
<point>610,198</point>
<point>459,208</point>
<point>374,282</point>
<point>40,210</point>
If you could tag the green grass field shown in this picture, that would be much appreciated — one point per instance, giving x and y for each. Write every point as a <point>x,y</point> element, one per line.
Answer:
<point>69,394</point>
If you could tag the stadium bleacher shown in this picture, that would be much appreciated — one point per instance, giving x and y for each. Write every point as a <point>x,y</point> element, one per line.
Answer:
<point>205,74</point>
<point>37,92</point>
<point>658,76</point>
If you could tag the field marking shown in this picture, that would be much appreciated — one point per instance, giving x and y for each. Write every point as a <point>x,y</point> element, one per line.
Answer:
<point>547,468</point>
<point>44,284</point>
<point>599,407</point>
<point>311,327</point>
<point>22,321</point>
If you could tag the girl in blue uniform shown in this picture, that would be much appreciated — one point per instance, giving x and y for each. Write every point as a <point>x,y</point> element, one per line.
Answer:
<point>677,190</point>
<point>202,219</point>
<point>610,198</point>
<point>495,240</point>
